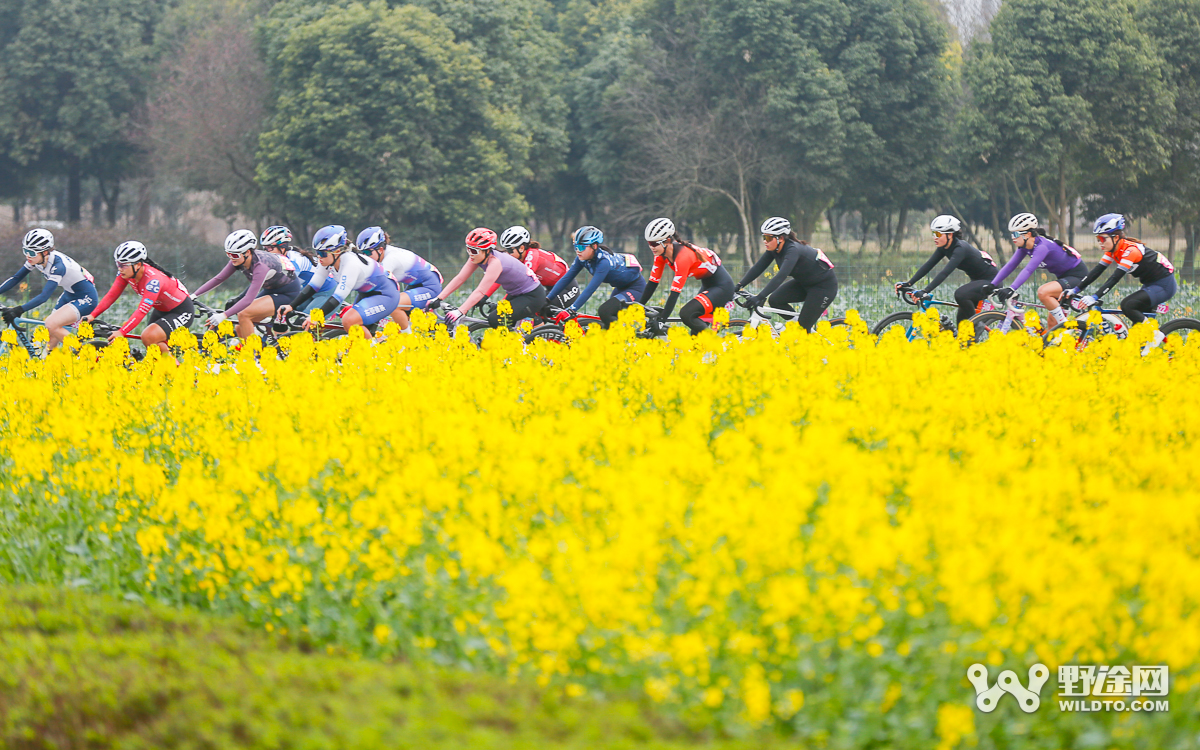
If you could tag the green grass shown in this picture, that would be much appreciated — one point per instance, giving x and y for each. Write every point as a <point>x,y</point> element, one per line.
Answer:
<point>86,671</point>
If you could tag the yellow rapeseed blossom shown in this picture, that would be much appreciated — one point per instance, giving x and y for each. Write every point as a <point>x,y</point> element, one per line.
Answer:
<point>764,529</point>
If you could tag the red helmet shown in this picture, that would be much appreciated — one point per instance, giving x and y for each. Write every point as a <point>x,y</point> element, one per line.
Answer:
<point>481,238</point>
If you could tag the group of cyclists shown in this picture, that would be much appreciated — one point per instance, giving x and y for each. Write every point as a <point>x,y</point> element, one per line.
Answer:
<point>1072,277</point>
<point>391,281</point>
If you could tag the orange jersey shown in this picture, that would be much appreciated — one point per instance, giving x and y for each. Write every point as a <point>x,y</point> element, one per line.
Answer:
<point>1146,265</point>
<point>697,262</point>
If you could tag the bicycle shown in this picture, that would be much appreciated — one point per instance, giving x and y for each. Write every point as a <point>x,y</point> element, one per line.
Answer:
<point>1001,321</point>
<point>478,327</point>
<point>1083,333</point>
<point>763,315</point>
<point>904,320</point>
<point>39,350</point>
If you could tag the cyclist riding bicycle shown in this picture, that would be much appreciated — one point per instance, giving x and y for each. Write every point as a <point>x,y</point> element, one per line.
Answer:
<point>79,295</point>
<point>1151,268</point>
<point>159,290</point>
<point>804,274</point>
<point>1056,256</point>
<point>421,279</point>
<point>949,244</point>
<point>686,260</point>
<point>546,265</point>
<point>272,277</point>
<point>619,270</point>
<point>378,292</point>
<point>279,240</point>
<point>524,292</point>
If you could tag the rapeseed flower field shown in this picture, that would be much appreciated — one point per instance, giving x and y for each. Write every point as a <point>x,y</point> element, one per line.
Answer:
<point>817,532</point>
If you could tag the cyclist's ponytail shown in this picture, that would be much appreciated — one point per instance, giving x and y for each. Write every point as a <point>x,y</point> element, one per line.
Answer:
<point>532,245</point>
<point>152,264</point>
<point>1055,240</point>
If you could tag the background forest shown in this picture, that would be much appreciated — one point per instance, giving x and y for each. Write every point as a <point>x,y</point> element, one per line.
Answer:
<point>856,118</point>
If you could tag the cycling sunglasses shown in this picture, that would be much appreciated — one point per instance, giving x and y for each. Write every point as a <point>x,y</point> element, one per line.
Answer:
<point>473,251</point>
<point>938,235</point>
<point>1015,235</point>
<point>31,253</point>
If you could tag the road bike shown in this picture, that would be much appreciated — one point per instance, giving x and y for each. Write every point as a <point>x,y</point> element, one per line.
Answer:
<point>1078,332</point>
<point>904,319</point>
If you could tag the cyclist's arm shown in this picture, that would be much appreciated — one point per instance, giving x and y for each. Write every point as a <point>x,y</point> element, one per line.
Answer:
<point>153,290</point>
<point>491,291</point>
<point>1096,272</point>
<point>603,266</point>
<point>754,271</point>
<point>1035,260</point>
<point>565,282</point>
<point>453,284</point>
<point>1117,274</point>
<point>257,278</point>
<point>956,259</point>
<point>925,268</point>
<point>217,280</point>
<point>15,279</point>
<point>490,275</point>
<point>655,274</point>
<point>44,295</point>
<point>683,266</point>
<point>114,291</point>
<point>786,265</point>
<point>1008,268</point>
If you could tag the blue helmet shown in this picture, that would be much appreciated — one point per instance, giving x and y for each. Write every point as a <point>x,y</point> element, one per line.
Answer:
<point>1108,224</point>
<point>587,235</point>
<point>371,238</point>
<point>330,238</point>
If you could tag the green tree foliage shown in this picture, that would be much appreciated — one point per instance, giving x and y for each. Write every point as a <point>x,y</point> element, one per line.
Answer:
<point>381,116</point>
<point>1067,92</point>
<point>73,73</point>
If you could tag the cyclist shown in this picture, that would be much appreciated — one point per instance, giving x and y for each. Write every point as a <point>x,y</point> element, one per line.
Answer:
<point>804,274</point>
<point>547,266</point>
<point>378,292</point>
<point>159,290</point>
<point>79,295</point>
<point>686,260</point>
<point>1057,257</point>
<point>1151,268</point>
<point>620,270</point>
<point>421,279</point>
<point>524,292</point>
<point>279,240</point>
<point>272,278</point>
<point>948,243</point>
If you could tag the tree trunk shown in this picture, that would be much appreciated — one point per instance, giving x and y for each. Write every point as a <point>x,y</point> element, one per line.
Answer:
<point>1062,197</point>
<point>141,214</point>
<point>1189,254</point>
<point>1171,239</point>
<point>111,202</point>
<point>833,230</point>
<point>997,235</point>
<point>866,229</point>
<point>16,207</point>
<point>1071,229</point>
<point>74,191</point>
<point>901,222</point>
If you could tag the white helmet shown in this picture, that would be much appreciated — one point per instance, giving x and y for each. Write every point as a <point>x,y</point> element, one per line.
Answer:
<point>776,225</point>
<point>130,252</point>
<point>37,241</point>
<point>514,237</point>
<point>1022,223</point>
<point>659,230</point>
<point>276,235</point>
<point>946,224</point>
<point>240,242</point>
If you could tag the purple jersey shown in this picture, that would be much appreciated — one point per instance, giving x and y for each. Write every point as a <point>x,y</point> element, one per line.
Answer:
<point>1047,254</point>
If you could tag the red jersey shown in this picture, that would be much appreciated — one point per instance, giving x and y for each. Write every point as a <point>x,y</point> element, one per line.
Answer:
<point>545,265</point>
<point>697,262</point>
<point>1146,265</point>
<point>157,290</point>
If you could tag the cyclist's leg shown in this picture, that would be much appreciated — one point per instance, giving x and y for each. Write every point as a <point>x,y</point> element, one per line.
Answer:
<point>612,307</point>
<point>1048,295</point>
<point>564,298</point>
<point>399,315</point>
<point>788,292</point>
<point>967,297</point>
<point>817,300</point>
<point>715,291</point>
<point>372,307</point>
<point>64,314</point>
<point>1147,298</point>
<point>523,306</point>
<point>261,308</point>
<point>161,324</point>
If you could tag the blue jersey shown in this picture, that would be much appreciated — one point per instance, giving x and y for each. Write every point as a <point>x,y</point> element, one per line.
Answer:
<point>60,271</point>
<point>621,270</point>
<point>357,273</point>
<point>305,269</point>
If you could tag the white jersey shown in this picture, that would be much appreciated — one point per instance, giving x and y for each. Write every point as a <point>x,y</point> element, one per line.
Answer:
<point>62,270</point>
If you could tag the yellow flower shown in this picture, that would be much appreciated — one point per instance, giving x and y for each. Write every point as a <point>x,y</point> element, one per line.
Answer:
<point>85,330</point>
<point>317,316</point>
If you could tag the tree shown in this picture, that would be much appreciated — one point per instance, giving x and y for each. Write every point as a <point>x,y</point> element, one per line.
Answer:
<point>380,116</point>
<point>72,78</point>
<point>208,108</point>
<point>1065,92</point>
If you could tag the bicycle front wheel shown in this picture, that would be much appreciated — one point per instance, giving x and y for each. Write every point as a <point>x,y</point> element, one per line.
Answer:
<point>1180,329</point>
<point>551,332</point>
<point>988,323</point>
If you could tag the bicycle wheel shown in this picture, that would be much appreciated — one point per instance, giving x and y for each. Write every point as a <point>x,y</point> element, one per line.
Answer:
<point>1078,337</point>
<point>987,323</point>
<point>1179,329</point>
<point>551,332</point>
<point>476,332</point>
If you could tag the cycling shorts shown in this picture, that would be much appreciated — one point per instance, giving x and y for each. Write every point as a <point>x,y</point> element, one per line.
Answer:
<point>282,295</point>
<point>180,317</point>
<point>375,306</point>
<point>716,290</point>
<point>84,297</point>
<point>632,293</point>
<point>1074,277</point>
